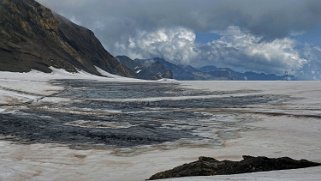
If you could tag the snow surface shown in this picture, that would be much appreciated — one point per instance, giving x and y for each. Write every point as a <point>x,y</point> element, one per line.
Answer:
<point>19,88</point>
<point>107,74</point>
<point>296,136</point>
<point>168,80</point>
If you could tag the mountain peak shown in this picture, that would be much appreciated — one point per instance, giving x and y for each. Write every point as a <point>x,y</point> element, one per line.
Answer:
<point>34,37</point>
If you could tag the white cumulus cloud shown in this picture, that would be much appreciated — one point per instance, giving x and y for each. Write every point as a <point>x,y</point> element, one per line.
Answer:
<point>235,49</point>
<point>312,69</point>
<point>174,44</point>
<point>243,51</point>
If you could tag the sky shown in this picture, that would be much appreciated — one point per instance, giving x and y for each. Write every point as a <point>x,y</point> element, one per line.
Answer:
<point>246,35</point>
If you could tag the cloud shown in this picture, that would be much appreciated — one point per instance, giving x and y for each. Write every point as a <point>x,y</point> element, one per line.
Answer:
<point>312,68</point>
<point>269,19</point>
<point>174,44</point>
<point>235,49</point>
<point>244,51</point>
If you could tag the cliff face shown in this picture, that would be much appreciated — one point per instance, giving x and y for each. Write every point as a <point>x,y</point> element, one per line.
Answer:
<point>33,37</point>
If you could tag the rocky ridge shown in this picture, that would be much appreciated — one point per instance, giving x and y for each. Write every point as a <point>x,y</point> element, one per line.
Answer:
<point>34,37</point>
<point>206,166</point>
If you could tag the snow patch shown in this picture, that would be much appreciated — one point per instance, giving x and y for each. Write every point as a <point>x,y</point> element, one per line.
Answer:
<point>168,80</point>
<point>107,74</point>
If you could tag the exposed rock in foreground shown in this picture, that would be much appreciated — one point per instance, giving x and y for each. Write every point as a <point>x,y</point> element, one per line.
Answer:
<point>206,166</point>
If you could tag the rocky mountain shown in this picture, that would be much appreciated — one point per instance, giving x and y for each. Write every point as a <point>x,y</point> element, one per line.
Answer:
<point>229,74</point>
<point>146,69</point>
<point>184,72</point>
<point>157,68</point>
<point>34,37</point>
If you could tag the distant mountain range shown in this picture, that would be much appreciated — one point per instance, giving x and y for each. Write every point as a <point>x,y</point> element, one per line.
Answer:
<point>157,68</point>
<point>146,69</point>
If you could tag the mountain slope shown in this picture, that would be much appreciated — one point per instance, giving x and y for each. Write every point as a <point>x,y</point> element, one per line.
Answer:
<point>157,68</point>
<point>146,69</point>
<point>183,72</point>
<point>33,37</point>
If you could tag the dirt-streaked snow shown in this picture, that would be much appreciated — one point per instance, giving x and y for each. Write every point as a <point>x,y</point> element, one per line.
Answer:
<point>17,88</point>
<point>275,135</point>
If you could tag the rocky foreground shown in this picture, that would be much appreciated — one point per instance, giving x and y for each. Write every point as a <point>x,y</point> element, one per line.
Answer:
<point>206,166</point>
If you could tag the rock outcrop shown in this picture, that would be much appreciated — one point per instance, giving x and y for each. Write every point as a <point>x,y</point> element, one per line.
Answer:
<point>206,166</point>
<point>34,37</point>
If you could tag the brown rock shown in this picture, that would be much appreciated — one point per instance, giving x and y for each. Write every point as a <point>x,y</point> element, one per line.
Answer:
<point>206,166</point>
<point>33,37</point>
